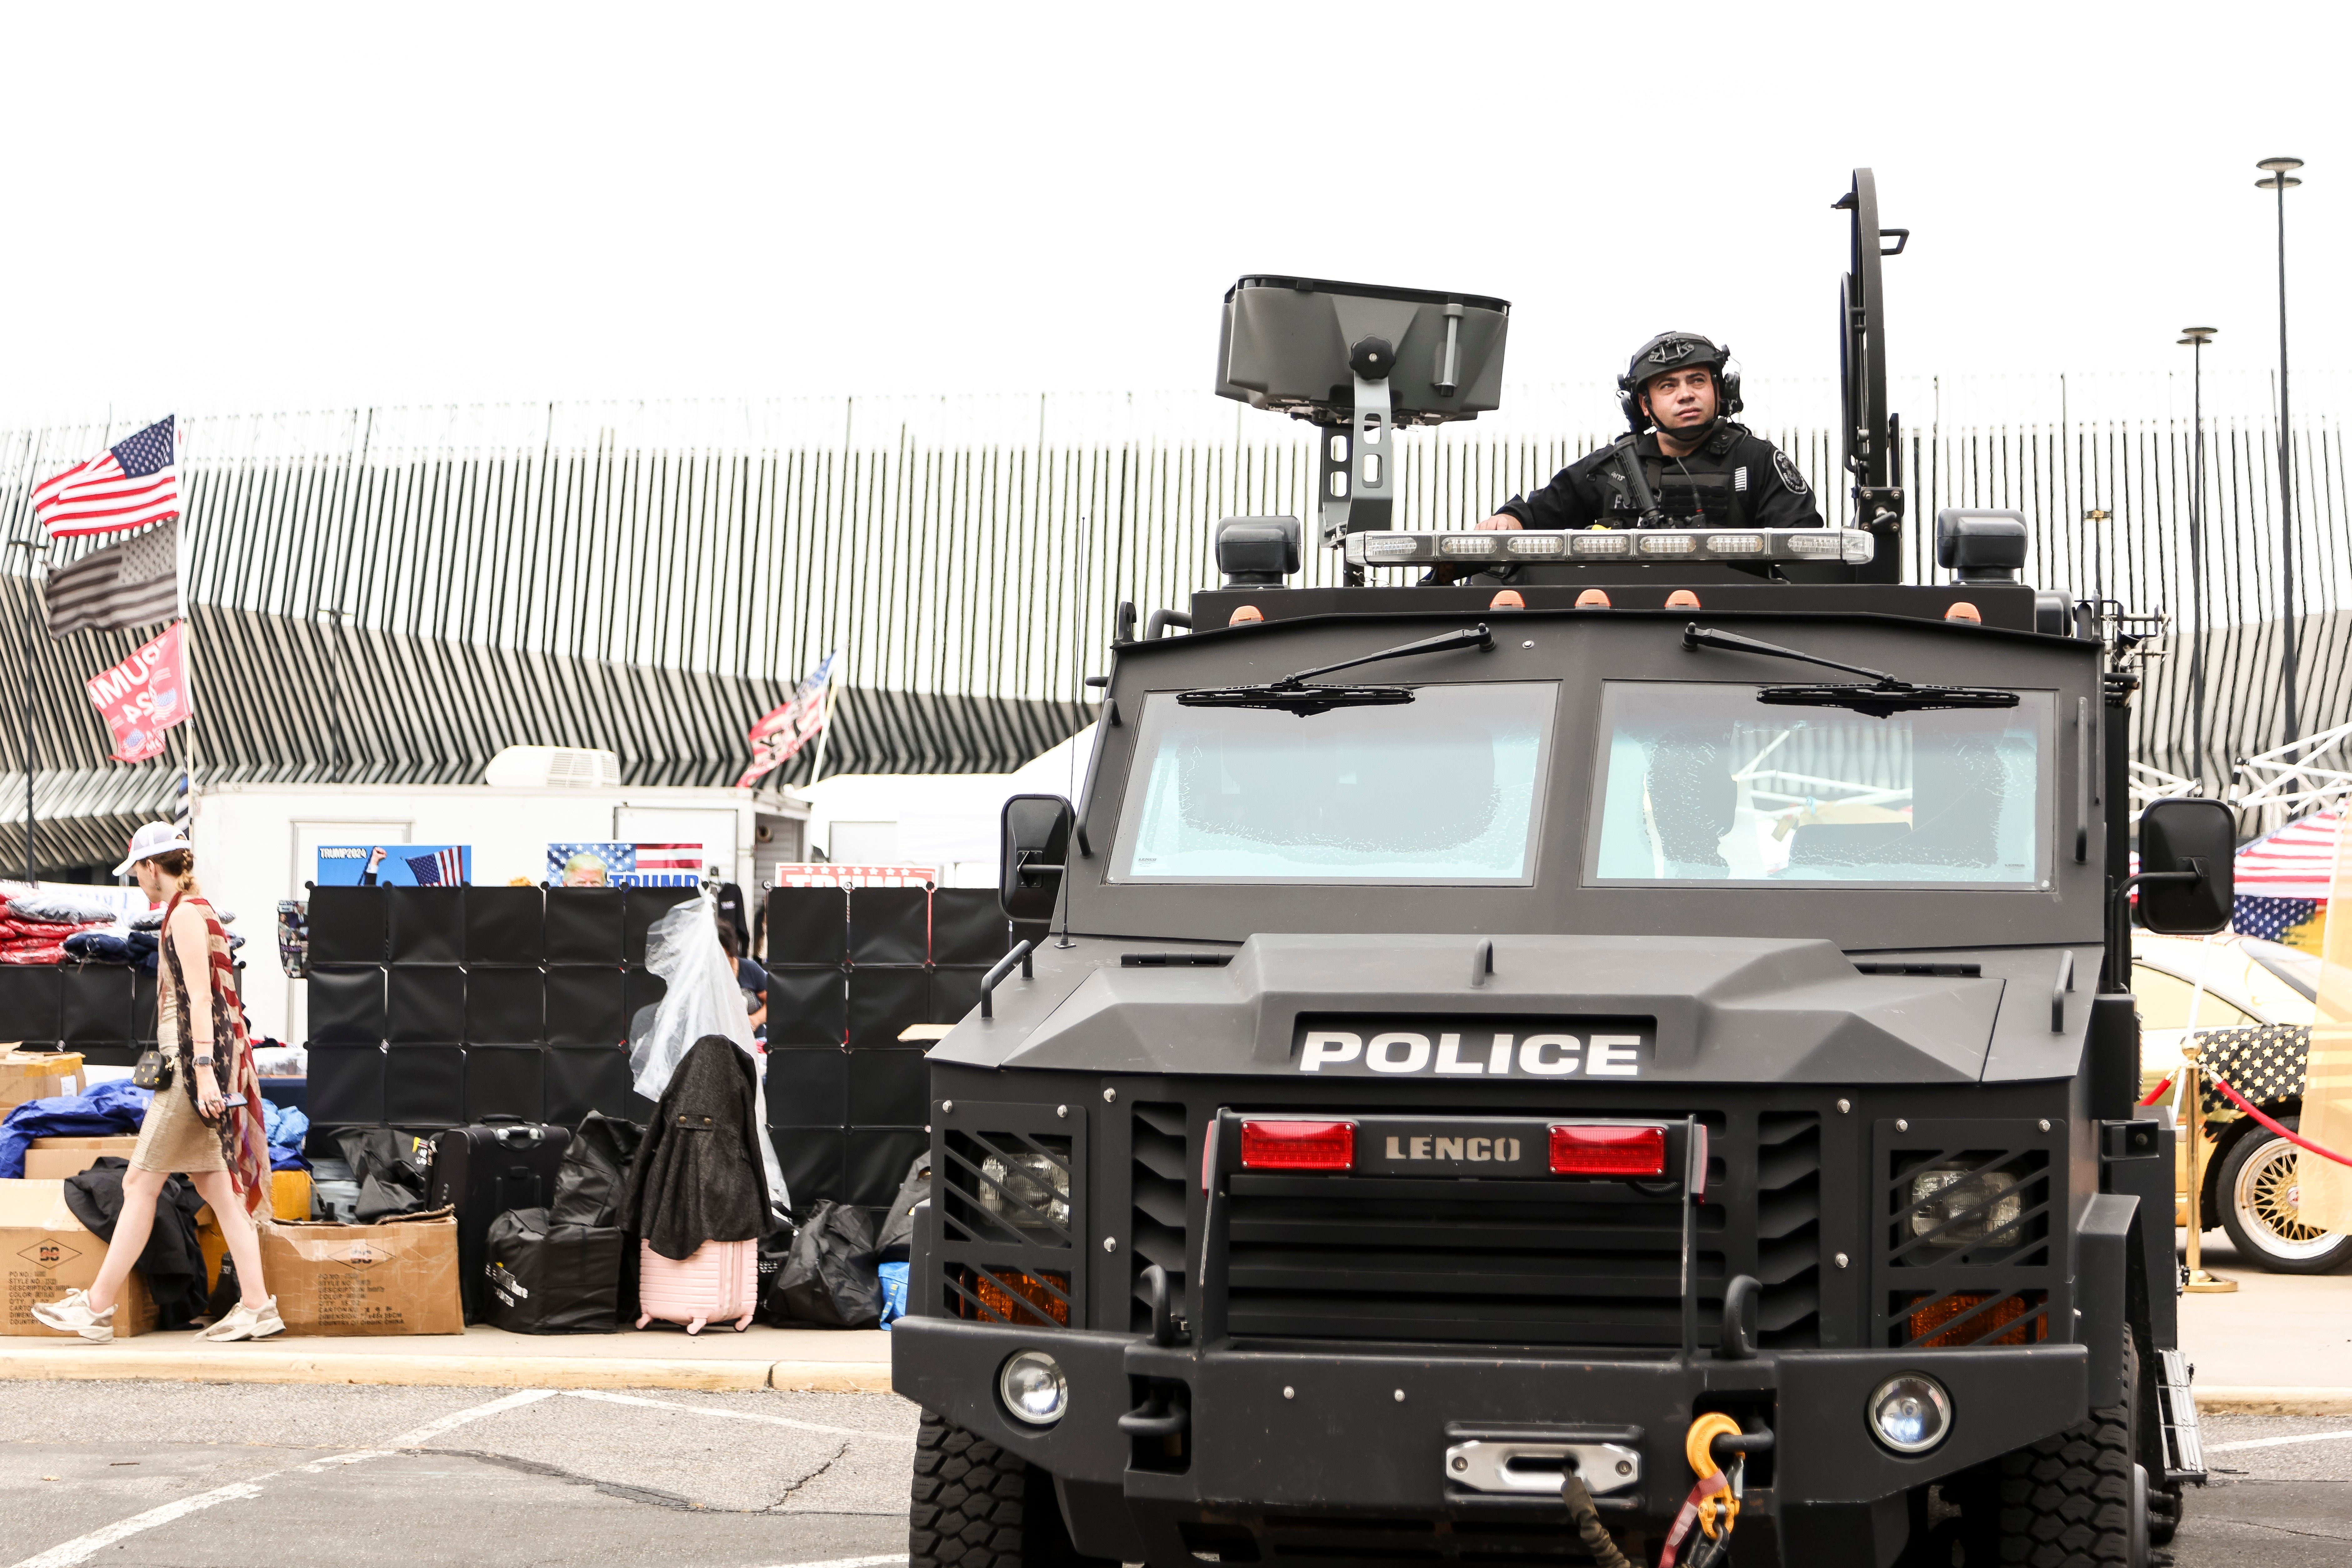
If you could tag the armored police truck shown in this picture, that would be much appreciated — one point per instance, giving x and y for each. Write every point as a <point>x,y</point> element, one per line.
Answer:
<point>1612,1047</point>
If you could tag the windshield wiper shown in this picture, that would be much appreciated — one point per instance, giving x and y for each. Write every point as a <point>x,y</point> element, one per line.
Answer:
<point>1291,694</point>
<point>1885,694</point>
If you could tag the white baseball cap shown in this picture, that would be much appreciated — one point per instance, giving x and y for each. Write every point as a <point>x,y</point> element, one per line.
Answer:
<point>153,839</point>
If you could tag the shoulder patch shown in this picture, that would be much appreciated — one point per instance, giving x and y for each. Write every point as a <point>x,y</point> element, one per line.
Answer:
<point>1794,480</point>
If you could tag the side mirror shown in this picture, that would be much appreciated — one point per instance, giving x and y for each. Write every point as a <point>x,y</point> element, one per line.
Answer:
<point>2188,867</point>
<point>1035,844</point>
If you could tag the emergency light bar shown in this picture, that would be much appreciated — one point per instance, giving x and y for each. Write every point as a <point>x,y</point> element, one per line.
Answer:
<point>1853,546</point>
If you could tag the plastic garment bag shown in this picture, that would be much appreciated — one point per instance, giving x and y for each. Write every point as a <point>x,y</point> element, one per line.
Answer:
<point>703,998</point>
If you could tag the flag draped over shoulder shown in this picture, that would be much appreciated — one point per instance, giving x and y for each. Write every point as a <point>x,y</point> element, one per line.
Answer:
<point>780,733</point>
<point>134,482</point>
<point>133,584</point>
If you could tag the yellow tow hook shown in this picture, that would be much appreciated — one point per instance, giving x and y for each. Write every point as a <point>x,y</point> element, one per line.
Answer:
<point>1714,1504</point>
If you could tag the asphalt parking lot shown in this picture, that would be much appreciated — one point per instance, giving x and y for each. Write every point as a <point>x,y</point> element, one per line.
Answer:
<point>252,1476</point>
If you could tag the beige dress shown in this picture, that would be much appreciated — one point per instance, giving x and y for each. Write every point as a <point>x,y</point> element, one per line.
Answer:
<point>174,1138</point>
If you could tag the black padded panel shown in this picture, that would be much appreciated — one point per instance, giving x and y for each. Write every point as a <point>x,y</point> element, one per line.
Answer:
<point>505,1006</point>
<point>878,1158</point>
<point>583,1007</point>
<point>640,989</point>
<point>424,1003</point>
<point>882,1002</point>
<point>890,925</point>
<point>812,1162</point>
<point>32,1000</point>
<point>505,1080</point>
<point>116,1056</point>
<point>346,1005</point>
<point>583,925</point>
<point>807,926</point>
<point>506,926</point>
<point>640,907</point>
<point>808,1085</point>
<point>582,1079</point>
<point>346,1085</point>
<point>96,1010</point>
<point>143,1017</point>
<point>889,1088</point>
<point>805,1007</point>
<point>967,926</point>
<point>955,992</point>
<point>424,1086</point>
<point>426,925</point>
<point>346,925</point>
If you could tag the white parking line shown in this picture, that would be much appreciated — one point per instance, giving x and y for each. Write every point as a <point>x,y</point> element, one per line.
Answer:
<point>84,1547</point>
<point>2275,1442</point>
<point>598,1394</point>
<point>847,1563</point>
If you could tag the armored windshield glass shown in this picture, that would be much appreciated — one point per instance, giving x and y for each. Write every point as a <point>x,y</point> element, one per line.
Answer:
<point>1442,790</point>
<point>1699,782</point>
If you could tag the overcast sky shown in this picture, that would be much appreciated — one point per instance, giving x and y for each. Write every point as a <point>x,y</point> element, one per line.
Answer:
<point>250,208</point>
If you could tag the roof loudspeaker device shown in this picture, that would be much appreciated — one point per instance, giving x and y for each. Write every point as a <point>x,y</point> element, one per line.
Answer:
<point>1258,551</point>
<point>1980,546</point>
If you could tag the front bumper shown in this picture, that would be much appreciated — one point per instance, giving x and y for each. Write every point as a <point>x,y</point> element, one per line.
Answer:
<point>1359,1432</point>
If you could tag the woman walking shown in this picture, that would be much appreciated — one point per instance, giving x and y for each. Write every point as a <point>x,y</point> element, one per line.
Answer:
<point>205,1121</point>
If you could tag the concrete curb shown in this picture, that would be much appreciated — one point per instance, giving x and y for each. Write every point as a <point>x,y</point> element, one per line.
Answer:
<point>269,1365</point>
<point>2221,1399</point>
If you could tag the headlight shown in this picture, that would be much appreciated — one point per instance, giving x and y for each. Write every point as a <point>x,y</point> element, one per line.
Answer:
<point>1030,1178</point>
<point>1910,1413</point>
<point>1946,1192</point>
<point>1034,1388</point>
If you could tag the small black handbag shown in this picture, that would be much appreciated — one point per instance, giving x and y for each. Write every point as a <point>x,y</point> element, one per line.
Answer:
<point>152,1070</point>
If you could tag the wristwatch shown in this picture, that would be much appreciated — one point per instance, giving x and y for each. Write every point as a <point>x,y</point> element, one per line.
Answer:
<point>204,1061</point>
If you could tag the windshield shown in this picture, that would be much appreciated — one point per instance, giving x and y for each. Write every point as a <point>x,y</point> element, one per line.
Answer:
<point>1705,783</point>
<point>1442,789</point>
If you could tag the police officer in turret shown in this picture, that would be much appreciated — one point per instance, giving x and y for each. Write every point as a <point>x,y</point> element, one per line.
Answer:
<point>1686,465</point>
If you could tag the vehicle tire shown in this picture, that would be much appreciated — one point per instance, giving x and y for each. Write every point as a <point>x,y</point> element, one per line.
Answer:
<point>2260,1202</point>
<point>976,1505</point>
<point>2077,1500</point>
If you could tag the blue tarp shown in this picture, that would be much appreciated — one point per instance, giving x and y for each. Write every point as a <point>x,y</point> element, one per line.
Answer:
<point>113,1108</point>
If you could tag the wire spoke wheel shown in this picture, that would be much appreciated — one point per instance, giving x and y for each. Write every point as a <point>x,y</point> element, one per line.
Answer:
<point>2262,1210</point>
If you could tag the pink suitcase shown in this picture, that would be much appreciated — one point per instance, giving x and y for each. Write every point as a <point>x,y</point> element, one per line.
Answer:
<point>721,1281</point>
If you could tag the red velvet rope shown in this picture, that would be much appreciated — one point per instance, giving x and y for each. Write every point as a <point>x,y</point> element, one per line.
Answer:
<point>2240,1101</point>
<point>2158,1092</point>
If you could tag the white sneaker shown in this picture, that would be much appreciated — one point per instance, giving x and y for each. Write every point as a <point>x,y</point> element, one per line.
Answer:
<point>244,1322</point>
<point>74,1315</point>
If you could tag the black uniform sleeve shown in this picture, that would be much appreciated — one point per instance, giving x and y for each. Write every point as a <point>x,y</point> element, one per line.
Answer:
<point>1784,499</point>
<point>1571,500</point>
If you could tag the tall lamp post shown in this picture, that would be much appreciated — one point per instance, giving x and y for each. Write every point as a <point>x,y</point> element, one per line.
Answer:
<point>2194,339</point>
<point>2280,180</point>
<point>32,550</point>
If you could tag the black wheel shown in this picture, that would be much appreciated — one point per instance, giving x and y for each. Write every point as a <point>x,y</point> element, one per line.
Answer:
<point>2078,1499</point>
<point>976,1505</point>
<point>2262,1205</point>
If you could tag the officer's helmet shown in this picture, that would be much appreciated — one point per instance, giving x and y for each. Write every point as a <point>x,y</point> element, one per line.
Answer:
<point>1670,351</point>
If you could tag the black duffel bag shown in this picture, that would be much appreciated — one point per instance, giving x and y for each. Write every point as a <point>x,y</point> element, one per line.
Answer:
<point>897,1235</point>
<point>540,1277</point>
<point>827,1279</point>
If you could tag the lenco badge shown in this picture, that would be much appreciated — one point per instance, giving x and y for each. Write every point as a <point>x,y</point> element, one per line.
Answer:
<point>1484,1048</point>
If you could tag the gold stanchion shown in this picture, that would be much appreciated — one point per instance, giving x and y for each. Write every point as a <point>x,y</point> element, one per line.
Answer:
<point>2198,1281</point>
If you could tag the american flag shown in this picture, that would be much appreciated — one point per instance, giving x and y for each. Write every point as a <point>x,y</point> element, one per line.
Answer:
<point>780,733</point>
<point>2284,878</point>
<point>443,869</point>
<point>670,857</point>
<point>134,482</point>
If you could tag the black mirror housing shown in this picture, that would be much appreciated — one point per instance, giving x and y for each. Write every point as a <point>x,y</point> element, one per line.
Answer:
<point>1034,845</point>
<point>2188,836</point>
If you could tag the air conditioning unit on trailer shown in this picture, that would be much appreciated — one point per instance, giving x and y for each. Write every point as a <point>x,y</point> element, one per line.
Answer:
<point>539,767</point>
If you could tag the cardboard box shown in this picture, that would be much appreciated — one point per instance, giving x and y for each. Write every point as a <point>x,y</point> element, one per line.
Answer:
<point>399,1277</point>
<point>37,1074</point>
<point>44,1251</point>
<point>55,1159</point>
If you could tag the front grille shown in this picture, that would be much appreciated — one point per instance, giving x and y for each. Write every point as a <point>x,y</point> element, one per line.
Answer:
<point>1530,1262</point>
<point>1160,1177</point>
<point>1966,1255</point>
<point>1008,1193</point>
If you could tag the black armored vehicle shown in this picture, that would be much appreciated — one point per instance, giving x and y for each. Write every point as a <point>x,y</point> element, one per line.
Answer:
<point>1612,1047</point>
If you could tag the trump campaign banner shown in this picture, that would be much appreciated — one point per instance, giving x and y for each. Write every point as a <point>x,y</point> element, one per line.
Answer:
<point>614,865</point>
<point>396,865</point>
<point>146,695</point>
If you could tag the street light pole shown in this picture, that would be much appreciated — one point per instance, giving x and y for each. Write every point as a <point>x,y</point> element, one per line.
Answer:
<point>2280,180</point>
<point>2195,339</point>
<point>30,550</point>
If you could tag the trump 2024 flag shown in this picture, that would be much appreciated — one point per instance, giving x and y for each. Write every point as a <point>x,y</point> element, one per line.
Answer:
<point>134,482</point>
<point>146,695</point>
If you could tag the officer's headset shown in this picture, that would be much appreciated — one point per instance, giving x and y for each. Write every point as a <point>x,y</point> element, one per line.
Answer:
<point>1672,350</point>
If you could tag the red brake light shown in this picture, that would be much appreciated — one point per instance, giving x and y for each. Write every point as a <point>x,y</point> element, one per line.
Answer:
<point>1299,1145</point>
<point>1593,1150</point>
